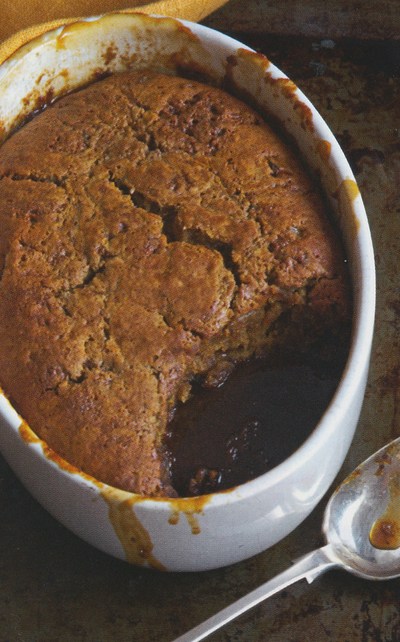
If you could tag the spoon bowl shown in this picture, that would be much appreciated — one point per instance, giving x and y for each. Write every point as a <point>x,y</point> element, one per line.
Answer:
<point>362,518</point>
<point>362,529</point>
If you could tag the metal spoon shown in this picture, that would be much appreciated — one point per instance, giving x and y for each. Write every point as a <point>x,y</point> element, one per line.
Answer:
<point>362,530</point>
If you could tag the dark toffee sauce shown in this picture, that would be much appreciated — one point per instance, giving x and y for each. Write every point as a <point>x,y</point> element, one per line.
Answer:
<point>264,411</point>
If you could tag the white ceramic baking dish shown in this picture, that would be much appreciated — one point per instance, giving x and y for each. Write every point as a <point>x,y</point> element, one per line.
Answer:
<point>214,530</point>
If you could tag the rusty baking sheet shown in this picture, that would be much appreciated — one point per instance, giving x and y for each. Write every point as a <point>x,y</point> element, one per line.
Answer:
<point>56,588</point>
<point>365,19</point>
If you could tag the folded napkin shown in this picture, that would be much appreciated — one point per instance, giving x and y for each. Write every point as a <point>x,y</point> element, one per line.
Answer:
<point>22,20</point>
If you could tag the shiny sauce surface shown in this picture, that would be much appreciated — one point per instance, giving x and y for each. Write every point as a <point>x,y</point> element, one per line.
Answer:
<point>227,435</point>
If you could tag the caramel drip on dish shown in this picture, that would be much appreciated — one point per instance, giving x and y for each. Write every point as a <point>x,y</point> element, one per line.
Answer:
<point>190,507</point>
<point>133,536</point>
<point>350,187</point>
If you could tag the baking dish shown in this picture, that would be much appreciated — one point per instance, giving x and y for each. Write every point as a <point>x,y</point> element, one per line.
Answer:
<point>211,530</point>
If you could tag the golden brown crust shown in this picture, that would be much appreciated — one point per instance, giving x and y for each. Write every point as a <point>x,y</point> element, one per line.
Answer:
<point>149,224</point>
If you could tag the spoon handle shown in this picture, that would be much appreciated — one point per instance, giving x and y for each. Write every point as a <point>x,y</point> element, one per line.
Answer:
<point>309,567</point>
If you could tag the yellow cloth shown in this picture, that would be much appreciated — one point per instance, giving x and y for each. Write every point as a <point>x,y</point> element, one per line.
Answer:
<point>19,18</point>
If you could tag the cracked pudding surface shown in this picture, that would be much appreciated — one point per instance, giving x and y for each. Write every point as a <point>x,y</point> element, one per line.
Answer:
<point>152,229</point>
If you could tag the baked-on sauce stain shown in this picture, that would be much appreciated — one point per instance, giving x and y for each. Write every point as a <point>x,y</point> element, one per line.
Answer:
<point>346,194</point>
<point>228,435</point>
<point>324,149</point>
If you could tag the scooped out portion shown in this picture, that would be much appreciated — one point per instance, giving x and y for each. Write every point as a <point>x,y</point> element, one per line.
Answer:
<point>156,232</point>
<point>226,435</point>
